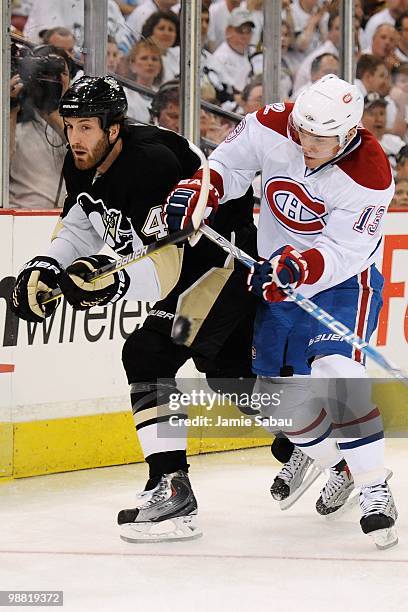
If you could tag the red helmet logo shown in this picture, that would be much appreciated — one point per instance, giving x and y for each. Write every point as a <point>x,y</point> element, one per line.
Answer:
<point>347,98</point>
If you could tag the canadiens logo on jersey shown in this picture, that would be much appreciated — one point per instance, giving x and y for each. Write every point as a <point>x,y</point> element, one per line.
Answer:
<point>294,206</point>
<point>114,229</point>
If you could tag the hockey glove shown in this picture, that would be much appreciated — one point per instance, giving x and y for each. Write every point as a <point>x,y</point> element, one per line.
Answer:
<point>39,275</point>
<point>287,268</point>
<point>82,294</point>
<point>181,202</point>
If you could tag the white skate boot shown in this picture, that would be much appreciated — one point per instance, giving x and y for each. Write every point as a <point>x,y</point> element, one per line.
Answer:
<point>335,497</point>
<point>296,476</point>
<point>379,515</point>
<point>162,514</point>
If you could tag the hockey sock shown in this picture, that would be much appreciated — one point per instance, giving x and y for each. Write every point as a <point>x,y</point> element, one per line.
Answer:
<point>282,448</point>
<point>165,463</point>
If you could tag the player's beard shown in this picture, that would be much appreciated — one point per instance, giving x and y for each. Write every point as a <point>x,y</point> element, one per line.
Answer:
<point>91,159</point>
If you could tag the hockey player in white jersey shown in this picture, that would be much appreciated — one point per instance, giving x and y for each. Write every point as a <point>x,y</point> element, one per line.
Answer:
<point>326,186</point>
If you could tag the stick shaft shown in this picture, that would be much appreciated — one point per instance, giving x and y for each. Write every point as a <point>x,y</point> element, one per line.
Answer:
<point>313,309</point>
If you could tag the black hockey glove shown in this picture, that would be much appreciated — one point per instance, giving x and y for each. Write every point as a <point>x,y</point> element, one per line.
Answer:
<point>39,275</point>
<point>81,294</point>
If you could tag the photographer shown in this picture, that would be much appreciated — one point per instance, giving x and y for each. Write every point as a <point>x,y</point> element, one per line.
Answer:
<point>37,142</point>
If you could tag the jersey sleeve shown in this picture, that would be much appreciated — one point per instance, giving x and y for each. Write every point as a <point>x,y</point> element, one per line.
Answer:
<point>237,160</point>
<point>351,239</point>
<point>74,236</point>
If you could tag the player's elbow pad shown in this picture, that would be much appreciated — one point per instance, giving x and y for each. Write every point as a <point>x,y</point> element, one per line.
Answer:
<point>153,278</point>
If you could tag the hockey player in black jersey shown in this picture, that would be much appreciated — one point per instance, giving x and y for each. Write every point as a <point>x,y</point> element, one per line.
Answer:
<point>118,177</point>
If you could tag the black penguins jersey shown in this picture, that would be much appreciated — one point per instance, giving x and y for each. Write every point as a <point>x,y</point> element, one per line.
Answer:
<point>122,208</point>
<point>124,204</point>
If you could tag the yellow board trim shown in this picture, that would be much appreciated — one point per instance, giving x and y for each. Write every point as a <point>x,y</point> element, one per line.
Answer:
<point>60,445</point>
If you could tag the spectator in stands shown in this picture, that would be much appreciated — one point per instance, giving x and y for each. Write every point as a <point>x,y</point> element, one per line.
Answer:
<point>326,63</point>
<point>373,76</point>
<point>210,70</point>
<point>392,11</point>
<point>401,26</point>
<point>219,16</point>
<point>252,96</point>
<point>288,63</point>
<point>402,163</point>
<point>137,18</point>
<point>38,144</point>
<point>20,9</point>
<point>212,127</point>
<point>113,55</point>
<point>383,45</point>
<point>60,37</point>
<point>127,6</point>
<point>233,54</point>
<point>165,107</point>
<point>375,119</point>
<point>255,7</point>
<point>308,21</point>
<point>331,45</point>
<point>46,14</point>
<point>399,90</point>
<point>146,69</point>
<point>400,199</point>
<point>163,29</point>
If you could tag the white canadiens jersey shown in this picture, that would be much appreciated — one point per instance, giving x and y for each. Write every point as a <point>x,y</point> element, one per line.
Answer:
<point>337,209</point>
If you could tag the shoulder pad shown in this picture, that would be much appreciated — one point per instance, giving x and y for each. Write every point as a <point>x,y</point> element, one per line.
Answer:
<point>368,165</point>
<point>275,116</point>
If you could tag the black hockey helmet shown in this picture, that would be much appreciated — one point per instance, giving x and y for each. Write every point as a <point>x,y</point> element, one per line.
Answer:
<point>101,97</point>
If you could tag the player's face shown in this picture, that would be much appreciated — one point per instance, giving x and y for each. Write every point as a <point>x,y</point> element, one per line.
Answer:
<point>87,140</point>
<point>317,150</point>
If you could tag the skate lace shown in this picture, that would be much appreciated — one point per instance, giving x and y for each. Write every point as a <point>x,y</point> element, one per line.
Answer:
<point>333,485</point>
<point>374,499</point>
<point>292,466</point>
<point>160,493</point>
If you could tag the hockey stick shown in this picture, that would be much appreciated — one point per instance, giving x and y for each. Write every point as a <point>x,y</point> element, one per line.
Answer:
<point>190,232</point>
<point>313,309</point>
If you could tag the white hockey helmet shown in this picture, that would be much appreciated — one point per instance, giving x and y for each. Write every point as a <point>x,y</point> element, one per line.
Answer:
<point>329,107</point>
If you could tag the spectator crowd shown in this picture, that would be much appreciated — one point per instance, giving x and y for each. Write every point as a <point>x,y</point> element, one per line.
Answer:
<point>143,48</point>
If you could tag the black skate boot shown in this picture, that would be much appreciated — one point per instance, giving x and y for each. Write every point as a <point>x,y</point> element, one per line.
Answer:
<point>335,495</point>
<point>379,515</point>
<point>166,512</point>
<point>296,476</point>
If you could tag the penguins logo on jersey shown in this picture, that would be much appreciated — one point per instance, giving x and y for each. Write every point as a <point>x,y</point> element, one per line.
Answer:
<point>114,229</point>
<point>294,207</point>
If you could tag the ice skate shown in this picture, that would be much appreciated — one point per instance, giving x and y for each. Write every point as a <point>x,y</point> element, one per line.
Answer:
<point>335,497</point>
<point>165,513</point>
<point>379,515</point>
<point>296,476</point>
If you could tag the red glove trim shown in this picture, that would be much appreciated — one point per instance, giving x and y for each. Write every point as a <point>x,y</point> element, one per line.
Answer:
<point>315,265</point>
<point>215,179</point>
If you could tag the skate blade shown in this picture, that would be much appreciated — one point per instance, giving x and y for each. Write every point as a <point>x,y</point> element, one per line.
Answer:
<point>172,530</point>
<point>384,538</point>
<point>351,503</point>
<point>313,473</point>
